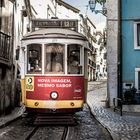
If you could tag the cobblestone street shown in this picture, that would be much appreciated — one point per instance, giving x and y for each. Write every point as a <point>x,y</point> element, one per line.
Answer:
<point>126,127</point>
<point>88,128</point>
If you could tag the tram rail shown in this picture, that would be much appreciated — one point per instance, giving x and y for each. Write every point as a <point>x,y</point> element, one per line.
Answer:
<point>32,133</point>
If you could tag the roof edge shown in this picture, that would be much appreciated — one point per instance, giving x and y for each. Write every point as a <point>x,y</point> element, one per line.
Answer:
<point>60,2</point>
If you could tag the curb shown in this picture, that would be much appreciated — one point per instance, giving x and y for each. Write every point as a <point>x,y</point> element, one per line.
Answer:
<point>14,116</point>
<point>6,123</point>
<point>94,115</point>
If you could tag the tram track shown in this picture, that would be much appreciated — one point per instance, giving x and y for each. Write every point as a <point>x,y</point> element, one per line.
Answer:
<point>25,129</point>
<point>65,133</point>
<point>16,129</point>
<point>32,133</point>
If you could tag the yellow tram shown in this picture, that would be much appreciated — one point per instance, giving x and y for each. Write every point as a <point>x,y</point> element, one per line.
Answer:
<point>54,70</point>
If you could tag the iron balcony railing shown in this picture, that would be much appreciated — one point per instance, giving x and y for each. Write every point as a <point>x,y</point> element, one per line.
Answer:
<point>5,48</point>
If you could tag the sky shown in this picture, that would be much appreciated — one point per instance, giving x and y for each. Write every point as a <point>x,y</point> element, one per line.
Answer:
<point>98,19</point>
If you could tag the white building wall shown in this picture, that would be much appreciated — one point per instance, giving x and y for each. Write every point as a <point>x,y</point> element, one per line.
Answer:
<point>64,13</point>
<point>21,23</point>
<point>92,28</point>
<point>44,9</point>
<point>81,26</point>
<point>40,10</point>
<point>100,60</point>
<point>18,23</point>
<point>20,29</point>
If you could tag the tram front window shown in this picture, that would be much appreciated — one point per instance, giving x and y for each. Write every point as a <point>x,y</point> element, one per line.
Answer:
<point>54,58</point>
<point>74,59</point>
<point>34,61</point>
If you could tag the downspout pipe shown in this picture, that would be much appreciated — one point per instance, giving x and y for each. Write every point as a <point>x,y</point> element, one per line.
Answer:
<point>120,53</point>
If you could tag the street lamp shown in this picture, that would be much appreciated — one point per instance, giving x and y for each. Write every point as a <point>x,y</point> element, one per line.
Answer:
<point>92,5</point>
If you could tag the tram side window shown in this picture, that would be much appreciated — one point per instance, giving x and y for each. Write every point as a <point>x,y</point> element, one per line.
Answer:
<point>54,58</point>
<point>74,59</point>
<point>34,58</point>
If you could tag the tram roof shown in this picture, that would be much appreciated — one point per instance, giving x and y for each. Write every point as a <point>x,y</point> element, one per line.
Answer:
<point>54,33</point>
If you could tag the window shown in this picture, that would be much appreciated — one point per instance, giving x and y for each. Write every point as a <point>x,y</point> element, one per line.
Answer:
<point>74,66</point>
<point>54,62</point>
<point>137,78</point>
<point>34,60</point>
<point>137,35</point>
<point>6,16</point>
<point>2,3</point>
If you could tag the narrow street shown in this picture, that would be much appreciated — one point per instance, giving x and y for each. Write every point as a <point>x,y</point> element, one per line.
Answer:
<point>49,50</point>
<point>125,127</point>
<point>88,128</point>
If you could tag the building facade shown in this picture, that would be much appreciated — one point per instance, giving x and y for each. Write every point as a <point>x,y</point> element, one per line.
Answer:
<point>15,19</point>
<point>47,6</point>
<point>101,54</point>
<point>91,36</point>
<point>123,52</point>
<point>6,56</point>
<point>130,26</point>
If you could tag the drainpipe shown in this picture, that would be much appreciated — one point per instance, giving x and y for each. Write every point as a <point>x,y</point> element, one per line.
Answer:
<point>120,53</point>
<point>12,95</point>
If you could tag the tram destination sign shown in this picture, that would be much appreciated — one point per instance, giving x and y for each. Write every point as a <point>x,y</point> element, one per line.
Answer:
<point>55,23</point>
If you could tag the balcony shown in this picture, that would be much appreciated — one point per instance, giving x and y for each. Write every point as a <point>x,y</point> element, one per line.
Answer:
<point>5,48</point>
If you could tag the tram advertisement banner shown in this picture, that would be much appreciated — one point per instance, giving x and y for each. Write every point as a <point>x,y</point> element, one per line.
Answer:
<point>40,87</point>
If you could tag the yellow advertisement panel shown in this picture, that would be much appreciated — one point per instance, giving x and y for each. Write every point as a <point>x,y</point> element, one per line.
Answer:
<point>29,83</point>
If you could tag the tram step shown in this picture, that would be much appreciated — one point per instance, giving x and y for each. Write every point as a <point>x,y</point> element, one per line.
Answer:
<point>55,120</point>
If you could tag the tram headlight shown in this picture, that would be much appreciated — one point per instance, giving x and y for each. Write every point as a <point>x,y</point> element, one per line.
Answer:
<point>54,95</point>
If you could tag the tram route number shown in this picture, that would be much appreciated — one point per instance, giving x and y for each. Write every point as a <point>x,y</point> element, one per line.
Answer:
<point>29,83</point>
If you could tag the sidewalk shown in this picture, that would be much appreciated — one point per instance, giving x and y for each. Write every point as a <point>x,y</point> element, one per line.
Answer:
<point>125,127</point>
<point>15,114</point>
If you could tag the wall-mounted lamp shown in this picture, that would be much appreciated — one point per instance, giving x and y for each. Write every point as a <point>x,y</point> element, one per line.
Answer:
<point>92,5</point>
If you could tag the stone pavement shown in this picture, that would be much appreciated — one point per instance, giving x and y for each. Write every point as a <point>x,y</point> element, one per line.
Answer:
<point>15,114</point>
<point>125,127</point>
